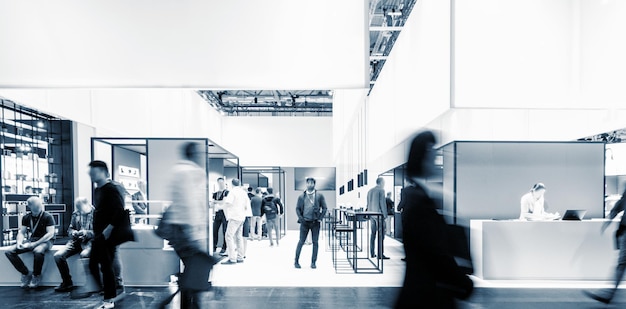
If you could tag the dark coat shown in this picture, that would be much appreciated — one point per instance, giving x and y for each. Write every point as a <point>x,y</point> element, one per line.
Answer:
<point>109,210</point>
<point>319,207</point>
<point>432,278</point>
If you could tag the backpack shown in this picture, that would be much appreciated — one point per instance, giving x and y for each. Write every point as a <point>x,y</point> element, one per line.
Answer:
<point>269,207</point>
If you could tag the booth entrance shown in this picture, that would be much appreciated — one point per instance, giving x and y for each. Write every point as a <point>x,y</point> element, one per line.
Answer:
<point>142,166</point>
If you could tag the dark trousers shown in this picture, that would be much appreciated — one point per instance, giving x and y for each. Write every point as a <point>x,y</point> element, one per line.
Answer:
<point>374,231</point>
<point>60,258</point>
<point>305,227</point>
<point>39,254</point>
<point>101,261</point>
<point>220,220</point>
<point>189,252</point>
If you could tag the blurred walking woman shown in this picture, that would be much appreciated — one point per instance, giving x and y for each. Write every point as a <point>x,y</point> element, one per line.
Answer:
<point>432,278</point>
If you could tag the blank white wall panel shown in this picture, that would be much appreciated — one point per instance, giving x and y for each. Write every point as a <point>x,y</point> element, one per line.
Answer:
<point>273,44</point>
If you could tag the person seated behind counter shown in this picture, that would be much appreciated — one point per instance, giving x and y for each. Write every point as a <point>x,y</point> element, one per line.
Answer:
<point>533,204</point>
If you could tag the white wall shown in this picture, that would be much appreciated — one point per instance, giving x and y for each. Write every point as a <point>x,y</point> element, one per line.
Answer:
<point>511,53</point>
<point>279,141</point>
<point>412,90</point>
<point>273,44</point>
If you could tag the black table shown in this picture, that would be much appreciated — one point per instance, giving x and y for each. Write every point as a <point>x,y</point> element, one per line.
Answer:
<point>375,265</point>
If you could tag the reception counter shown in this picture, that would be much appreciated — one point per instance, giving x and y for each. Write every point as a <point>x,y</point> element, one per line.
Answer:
<point>550,250</point>
<point>145,262</point>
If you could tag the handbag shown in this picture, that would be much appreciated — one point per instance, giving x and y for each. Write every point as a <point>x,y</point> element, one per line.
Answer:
<point>164,229</point>
<point>458,245</point>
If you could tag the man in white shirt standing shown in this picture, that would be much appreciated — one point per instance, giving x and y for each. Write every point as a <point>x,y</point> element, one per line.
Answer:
<point>236,206</point>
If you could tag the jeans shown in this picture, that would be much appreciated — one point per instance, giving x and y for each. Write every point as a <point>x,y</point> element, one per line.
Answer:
<point>272,224</point>
<point>102,260</point>
<point>234,238</point>
<point>256,227</point>
<point>39,254</point>
<point>305,227</point>
<point>220,220</point>
<point>72,248</point>
<point>374,227</point>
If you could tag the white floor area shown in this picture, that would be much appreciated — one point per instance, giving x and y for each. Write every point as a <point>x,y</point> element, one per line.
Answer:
<point>265,266</point>
<point>273,267</point>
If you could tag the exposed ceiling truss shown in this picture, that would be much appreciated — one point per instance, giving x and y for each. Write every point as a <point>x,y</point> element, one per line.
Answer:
<point>270,102</point>
<point>617,136</point>
<point>387,18</point>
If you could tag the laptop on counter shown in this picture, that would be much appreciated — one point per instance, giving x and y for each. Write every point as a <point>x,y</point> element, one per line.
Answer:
<point>574,215</point>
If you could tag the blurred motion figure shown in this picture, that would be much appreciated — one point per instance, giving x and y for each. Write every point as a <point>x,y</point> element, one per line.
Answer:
<point>432,279</point>
<point>188,219</point>
<point>620,241</point>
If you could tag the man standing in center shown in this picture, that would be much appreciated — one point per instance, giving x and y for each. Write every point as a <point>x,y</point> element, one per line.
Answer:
<point>236,205</point>
<point>311,208</point>
<point>376,202</point>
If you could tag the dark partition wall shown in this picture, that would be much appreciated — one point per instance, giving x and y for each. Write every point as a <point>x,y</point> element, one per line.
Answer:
<point>489,178</point>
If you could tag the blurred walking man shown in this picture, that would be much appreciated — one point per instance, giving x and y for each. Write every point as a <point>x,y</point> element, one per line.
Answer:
<point>311,208</point>
<point>188,217</point>
<point>607,295</point>
<point>376,202</point>
<point>236,205</point>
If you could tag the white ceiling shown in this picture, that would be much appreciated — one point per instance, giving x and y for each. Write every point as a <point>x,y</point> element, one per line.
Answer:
<point>235,44</point>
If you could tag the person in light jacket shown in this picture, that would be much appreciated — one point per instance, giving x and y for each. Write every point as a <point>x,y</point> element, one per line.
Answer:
<point>236,206</point>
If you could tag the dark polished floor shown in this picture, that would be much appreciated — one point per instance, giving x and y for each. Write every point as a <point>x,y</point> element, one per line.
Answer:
<point>304,297</point>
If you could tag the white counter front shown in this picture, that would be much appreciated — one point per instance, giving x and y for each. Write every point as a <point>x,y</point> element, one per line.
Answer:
<point>551,250</point>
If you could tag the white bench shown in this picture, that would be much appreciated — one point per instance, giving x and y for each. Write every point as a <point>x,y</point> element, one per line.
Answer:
<point>49,274</point>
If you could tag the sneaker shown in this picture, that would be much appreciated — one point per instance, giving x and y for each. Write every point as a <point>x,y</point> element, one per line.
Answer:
<point>313,266</point>
<point>223,253</point>
<point>239,260</point>
<point>35,282</point>
<point>385,257</point>
<point>26,280</point>
<point>602,299</point>
<point>64,287</point>
<point>106,305</point>
<point>297,265</point>
<point>229,262</point>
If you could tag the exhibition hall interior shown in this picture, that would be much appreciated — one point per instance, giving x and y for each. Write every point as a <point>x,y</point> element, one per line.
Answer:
<point>313,154</point>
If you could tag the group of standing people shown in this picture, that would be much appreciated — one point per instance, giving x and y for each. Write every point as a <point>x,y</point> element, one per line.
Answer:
<point>240,215</point>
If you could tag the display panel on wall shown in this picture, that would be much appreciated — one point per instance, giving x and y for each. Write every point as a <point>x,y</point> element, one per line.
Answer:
<point>324,177</point>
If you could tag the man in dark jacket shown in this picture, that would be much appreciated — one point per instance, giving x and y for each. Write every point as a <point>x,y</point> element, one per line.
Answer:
<point>111,227</point>
<point>311,208</point>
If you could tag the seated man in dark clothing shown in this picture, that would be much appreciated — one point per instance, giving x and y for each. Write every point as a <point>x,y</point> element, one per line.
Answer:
<point>40,225</point>
<point>81,231</point>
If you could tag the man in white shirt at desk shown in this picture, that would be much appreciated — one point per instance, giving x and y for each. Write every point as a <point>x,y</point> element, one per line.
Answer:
<point>533,203</point>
